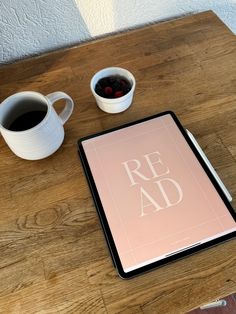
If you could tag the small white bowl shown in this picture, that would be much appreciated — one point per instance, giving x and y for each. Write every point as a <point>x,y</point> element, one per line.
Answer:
<point>113,105</point>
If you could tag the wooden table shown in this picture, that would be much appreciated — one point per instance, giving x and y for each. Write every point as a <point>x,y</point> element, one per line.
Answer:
<point>54,258</point>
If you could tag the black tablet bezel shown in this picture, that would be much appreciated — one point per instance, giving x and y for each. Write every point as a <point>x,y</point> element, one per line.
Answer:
<point>103,219</point>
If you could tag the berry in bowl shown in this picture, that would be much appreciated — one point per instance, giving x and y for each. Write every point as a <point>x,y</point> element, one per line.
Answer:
<point>113,89</point>
<point>113,86</point>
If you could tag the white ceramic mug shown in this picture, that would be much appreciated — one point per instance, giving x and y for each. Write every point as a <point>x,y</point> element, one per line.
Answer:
<point>43,139</point>
<point>114,105</point>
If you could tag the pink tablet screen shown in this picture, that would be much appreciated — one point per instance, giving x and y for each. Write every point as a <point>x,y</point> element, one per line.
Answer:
<point>156,196</point>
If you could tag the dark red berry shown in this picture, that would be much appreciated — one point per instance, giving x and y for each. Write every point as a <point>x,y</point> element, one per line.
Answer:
<point>123,83</point>
<point>104,82</point>
<point>118,93</point>
<point>108,90</point>
<point>113,86</point>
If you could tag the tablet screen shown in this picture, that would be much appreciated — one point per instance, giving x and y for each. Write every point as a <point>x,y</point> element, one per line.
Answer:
<point>157,198</point>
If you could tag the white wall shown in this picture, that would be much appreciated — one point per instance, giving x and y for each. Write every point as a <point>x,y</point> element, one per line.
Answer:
<point>29,27</point>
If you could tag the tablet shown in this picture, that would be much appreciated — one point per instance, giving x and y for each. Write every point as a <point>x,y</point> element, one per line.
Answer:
<point>156,198</point>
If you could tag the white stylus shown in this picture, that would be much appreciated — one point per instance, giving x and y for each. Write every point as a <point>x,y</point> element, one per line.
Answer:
<point>204,157</point>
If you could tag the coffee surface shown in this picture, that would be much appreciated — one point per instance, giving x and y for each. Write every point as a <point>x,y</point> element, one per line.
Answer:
<point>27,120</point>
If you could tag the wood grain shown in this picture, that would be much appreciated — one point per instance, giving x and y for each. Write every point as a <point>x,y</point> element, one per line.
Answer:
<point>54,257</point>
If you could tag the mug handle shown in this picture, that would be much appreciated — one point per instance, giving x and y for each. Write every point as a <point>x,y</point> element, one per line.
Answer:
<point>67,111</point>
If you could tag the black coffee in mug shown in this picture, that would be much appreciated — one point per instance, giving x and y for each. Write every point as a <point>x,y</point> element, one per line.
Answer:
<point>34,114</point>
<point>25,115</point>
<point>27,120</point>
